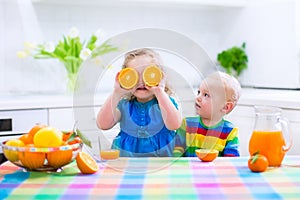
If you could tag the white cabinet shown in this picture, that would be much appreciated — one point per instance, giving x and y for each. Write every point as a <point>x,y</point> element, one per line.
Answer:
<point>65,118</point>
<point>21,121</point>
<point>23,112</point>
<point>14,123</point>
<point>61,118</point>
<point>84,117</point>
<point>243,117</point>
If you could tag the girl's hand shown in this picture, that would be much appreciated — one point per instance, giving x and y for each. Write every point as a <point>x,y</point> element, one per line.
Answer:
<point>160,87</point>
<point>118,89</point>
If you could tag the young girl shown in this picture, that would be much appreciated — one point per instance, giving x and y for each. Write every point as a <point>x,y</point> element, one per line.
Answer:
<point>217,96</point>
<point>147,115</point>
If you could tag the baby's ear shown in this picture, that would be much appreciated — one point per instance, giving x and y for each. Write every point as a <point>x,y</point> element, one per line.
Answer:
<point>228,107</point>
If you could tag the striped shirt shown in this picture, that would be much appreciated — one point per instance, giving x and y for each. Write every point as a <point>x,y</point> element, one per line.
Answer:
<point>193,134</point>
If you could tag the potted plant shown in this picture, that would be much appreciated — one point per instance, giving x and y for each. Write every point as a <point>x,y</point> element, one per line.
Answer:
<point>234,60</point>
<point>70,50</point>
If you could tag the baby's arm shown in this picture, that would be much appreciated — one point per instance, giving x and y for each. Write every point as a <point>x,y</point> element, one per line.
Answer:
<point>232,145</point>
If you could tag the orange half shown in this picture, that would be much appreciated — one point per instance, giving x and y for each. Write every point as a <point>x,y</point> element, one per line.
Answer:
<point>128,78</point>
<point>207,155</point>
<point>152,75</point>
<point>86,163</point>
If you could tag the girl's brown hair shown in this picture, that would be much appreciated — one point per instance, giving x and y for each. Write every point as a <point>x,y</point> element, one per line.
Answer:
<point>146,52</point>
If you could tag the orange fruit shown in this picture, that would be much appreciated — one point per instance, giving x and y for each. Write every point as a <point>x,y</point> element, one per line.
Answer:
<point>11,154</point>
<point>67,135</point>
<point>258,163</point>
<point>48,137</point>
<point>152,75</point>
<point>33,131</point>
<point>59,158</point>
<point>86,163</point>
<point>26,139</point>
<point>128,78</point>
<point>207,155</point>
<point>77,139</point>
<point>32,160</point>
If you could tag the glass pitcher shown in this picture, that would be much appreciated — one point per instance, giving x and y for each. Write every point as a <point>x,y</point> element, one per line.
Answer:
<point>269,135</point>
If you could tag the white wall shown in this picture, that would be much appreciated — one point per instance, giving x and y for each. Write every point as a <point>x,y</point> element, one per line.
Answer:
<point>213,27</point>
<point>270,31</point>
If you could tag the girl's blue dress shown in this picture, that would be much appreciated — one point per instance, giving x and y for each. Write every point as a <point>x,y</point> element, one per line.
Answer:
<point>143,132</point>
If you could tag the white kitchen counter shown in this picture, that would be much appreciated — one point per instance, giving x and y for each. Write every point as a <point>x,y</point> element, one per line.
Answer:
<point>37,101</point>
<point>57,111</point>
<point>289,99</point>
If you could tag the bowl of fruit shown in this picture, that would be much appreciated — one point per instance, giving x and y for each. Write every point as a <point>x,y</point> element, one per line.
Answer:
<point>43,148</point>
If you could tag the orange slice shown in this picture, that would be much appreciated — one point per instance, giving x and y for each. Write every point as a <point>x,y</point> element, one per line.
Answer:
<point>152,75</point>
<point>128,78</point>
<point>86,163</point>
<point>207,155</point>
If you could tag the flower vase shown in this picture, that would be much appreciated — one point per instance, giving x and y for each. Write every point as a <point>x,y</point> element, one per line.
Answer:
<point>72,78</point>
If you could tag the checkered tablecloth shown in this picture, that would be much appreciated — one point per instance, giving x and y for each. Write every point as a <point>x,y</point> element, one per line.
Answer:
<point>156,178</point>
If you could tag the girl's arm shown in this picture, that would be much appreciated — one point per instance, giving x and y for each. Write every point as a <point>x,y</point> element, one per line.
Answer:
<point>171,115</point>
<point>109,114</point>
<point>180,140</point>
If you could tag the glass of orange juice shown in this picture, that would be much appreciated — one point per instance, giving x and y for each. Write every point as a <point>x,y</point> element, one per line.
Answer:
<point>106,150</point>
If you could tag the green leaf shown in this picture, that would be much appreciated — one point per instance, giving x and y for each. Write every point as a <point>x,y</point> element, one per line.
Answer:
<point>234,59</point>
<point>103,49</point>
<point>72,137</point>
<point>67,51</point>
<point>83,138</point>
<point>91,44</point>
<point>254,157</point>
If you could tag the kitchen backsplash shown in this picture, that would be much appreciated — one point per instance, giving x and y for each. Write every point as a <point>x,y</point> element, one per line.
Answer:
<point>215,28</point>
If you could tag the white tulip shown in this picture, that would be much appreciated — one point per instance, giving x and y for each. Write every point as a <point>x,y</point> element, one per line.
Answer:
<point>49,47</point>
<point>29,46</point>
<point>101,36</point>
<point>85,53</point>
<point>73,33</point>
<point>22,54</point>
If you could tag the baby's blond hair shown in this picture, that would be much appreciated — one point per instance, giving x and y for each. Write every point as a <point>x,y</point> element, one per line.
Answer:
<point>231,85</point>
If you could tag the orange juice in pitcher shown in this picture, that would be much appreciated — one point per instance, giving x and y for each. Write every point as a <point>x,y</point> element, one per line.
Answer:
<point>268,136</point>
